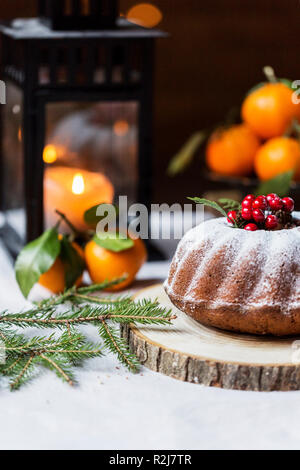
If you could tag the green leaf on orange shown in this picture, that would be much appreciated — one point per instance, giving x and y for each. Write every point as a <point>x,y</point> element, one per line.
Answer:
<point>280,185</point>
<point>92,219</point>
<point>74,264</point>
<point>256,87</point>
<point>287,82</point>
<point>115,242</point>
<point>35,259</point>
<point>186,154</point>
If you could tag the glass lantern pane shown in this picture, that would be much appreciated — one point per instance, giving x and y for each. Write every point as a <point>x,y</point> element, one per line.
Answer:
<point>90,156</point>
<point>13,169</point>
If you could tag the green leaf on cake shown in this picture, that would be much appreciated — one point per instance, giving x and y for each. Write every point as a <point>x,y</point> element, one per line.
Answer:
<point>113,241</point>
<point>206,202</point>
<point>230,204</point>
<point>73,263</point>
<point>280,185</point>
<point>36,259</point>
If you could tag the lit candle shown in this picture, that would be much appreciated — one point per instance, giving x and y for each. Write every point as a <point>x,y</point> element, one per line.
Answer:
<point>73,191</point>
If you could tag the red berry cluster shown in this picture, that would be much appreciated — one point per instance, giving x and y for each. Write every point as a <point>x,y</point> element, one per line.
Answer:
<point>257,212</point>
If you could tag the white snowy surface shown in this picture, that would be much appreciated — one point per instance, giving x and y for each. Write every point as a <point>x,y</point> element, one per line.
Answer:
<point>113,409</point>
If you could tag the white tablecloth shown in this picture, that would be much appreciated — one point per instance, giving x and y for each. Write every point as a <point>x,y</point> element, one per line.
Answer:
<point>113,409</point>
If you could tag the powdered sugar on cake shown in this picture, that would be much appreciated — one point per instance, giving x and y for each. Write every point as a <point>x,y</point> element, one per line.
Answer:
<point>219,265</point>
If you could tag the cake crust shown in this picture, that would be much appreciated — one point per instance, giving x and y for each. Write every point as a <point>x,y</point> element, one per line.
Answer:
<point>238,281</point>
<point>257,321</point>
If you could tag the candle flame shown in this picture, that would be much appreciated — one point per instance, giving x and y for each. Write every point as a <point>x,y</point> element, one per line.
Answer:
<point>50,154</point>
<point>78,185</point>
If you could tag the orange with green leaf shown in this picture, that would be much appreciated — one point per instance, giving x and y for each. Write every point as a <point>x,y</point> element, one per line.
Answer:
<point>52,260</point>
<point>57,262</point>
<point>266,142</point>
<point>112,257</point>
<point>269,109</point>
<point>67,269</point>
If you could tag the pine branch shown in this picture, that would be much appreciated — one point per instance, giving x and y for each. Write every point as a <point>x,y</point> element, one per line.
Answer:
<point>143,312</point>
<point>124,311</point>
<point>2,335</point>
<point>11,366</point>
<point>24,356</point>
<point>83,298</point>
<point>58,355</point>
<point>20,378</point>
<point>117,346</point>
<point>61,369</point>
<point>75,294</point>
<point>100,287</point>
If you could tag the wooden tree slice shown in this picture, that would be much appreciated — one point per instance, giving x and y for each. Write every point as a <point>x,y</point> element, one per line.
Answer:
<point>191,352</point>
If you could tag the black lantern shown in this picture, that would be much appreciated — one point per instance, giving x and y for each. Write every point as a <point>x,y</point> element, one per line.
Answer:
<point>77,126</point>
<point>81,15</point>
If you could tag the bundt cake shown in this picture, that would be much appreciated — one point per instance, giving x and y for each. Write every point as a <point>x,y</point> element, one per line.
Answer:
<point>239,280</point>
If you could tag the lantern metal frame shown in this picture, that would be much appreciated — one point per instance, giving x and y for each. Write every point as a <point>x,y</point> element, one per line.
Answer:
<point>78,14</point>
<point>24,45</point>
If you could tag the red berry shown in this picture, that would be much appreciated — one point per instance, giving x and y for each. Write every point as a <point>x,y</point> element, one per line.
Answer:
<point>251,227</point>
<point>288,204</point>
<point>231,216</point>
<point>271,196</point>
<point>249,197</point>
<point>260,202</point>
<point>246,213</point>
<point>271,222</point>
<point>258,215</point>
<point>276,203</point>
<point>247,203</point>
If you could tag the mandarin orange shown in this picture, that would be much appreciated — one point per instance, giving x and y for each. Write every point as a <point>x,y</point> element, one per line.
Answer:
<point>269,110</point>
<point>54,278</point>
<point>277,156</point>
<point>104,264</point>
<point>231,151</point>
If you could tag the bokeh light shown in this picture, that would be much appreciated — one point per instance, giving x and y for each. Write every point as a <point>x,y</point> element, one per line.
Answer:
<point>145,14</point>
<point>50,154</point>
<point>121,128</point>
